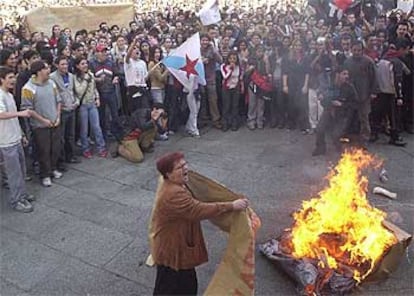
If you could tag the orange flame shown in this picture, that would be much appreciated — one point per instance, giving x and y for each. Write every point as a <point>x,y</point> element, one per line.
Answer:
<point>340,227</point>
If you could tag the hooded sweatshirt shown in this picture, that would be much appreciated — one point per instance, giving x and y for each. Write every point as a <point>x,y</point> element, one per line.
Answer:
<point>210,68</point>
<point>390,70</point>
<point>42,98</point>
<point>65,87</point>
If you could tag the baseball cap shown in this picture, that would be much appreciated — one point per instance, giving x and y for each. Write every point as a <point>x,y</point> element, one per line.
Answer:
<point>101,48</point>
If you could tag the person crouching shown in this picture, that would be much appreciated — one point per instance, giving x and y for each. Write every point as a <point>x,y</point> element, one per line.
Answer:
<point>339,103</point>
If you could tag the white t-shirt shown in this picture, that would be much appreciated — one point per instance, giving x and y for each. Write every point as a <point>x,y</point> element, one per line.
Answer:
<point>10,132</point>
<point>136,73</point>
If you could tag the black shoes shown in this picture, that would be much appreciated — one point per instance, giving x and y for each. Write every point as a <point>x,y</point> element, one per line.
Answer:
<point>73,160</point>
<point>61,167</point>
<point>30,197</point>
<point>395,139</point>
<point>217,125</point>
<point>397,142</point>
<point>373,138</point>
<point>225,127</point>
<point>409,130</point>
<point>23,206</point>
<point>148,149</point>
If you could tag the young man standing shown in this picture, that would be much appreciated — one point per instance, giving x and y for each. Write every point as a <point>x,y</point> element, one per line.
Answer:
<point>78,50</point>
<point>65,86</point>
<point>41,96</point>
<point>136,74</point>
<point>29,58</point>
<point>362,75</point>
<point>106,77</point>
<point>210,57</point>
<point>12,161</point>
<point>390,71</point>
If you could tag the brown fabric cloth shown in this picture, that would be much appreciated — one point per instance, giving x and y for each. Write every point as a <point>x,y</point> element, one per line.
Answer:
<point>176,238</point>
<point>235,275</point>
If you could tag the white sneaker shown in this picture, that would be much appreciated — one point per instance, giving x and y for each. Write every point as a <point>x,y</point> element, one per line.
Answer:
<point>57,174</point>
<point>161,137</point>
<point>194,134</point>
<point>47,182</point>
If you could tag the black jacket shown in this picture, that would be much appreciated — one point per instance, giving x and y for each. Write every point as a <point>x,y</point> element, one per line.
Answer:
<point>345,93</point>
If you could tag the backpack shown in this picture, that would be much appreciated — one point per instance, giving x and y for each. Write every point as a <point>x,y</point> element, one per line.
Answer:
<point>261,81</point>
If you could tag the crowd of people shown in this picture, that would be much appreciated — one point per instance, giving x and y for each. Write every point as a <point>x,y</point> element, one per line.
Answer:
<point>264,68</point>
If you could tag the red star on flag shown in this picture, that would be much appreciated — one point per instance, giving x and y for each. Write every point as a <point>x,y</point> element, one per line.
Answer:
<point>189,66</point>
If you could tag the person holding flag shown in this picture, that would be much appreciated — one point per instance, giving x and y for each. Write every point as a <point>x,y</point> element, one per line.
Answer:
<point>185,63</point>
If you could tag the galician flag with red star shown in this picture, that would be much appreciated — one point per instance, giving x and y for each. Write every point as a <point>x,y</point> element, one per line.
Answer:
<point>185,63</point>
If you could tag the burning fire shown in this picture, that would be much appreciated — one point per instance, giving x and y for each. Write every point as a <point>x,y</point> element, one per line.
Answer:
<point>339,228</point>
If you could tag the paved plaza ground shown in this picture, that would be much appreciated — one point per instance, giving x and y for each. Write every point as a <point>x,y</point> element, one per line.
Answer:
<point>88,233</point>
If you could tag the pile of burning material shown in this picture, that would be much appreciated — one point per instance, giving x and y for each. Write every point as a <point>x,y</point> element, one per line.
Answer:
<point>338,240</point>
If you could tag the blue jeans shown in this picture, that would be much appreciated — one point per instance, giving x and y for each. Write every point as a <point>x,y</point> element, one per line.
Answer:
<point>110,100</point>
<point>158,95</point>
<point>89,115</point>
<point>68,121</point>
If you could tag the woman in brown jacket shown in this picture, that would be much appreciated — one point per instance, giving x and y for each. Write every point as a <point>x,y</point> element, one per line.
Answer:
<point>176,238</point>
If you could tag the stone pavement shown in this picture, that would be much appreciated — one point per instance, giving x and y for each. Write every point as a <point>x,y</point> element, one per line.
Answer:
<point>88,233</point>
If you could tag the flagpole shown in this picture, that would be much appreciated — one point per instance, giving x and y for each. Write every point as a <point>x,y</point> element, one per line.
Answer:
<point>154,66</point>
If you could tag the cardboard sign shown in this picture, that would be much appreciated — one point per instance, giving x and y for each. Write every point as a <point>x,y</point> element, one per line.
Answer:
<point>81,17</point>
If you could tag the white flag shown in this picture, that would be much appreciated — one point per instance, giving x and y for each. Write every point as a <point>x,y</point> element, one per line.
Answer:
<point>405,5</point>
<point>186,64</point>
<point>210,13</point>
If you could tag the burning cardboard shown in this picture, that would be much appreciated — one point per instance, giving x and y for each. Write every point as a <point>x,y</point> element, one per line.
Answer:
<point>338,240</point>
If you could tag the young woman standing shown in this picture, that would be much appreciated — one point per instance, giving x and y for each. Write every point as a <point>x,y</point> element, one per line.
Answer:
<point>87,94</point>
<point>232,87</point>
